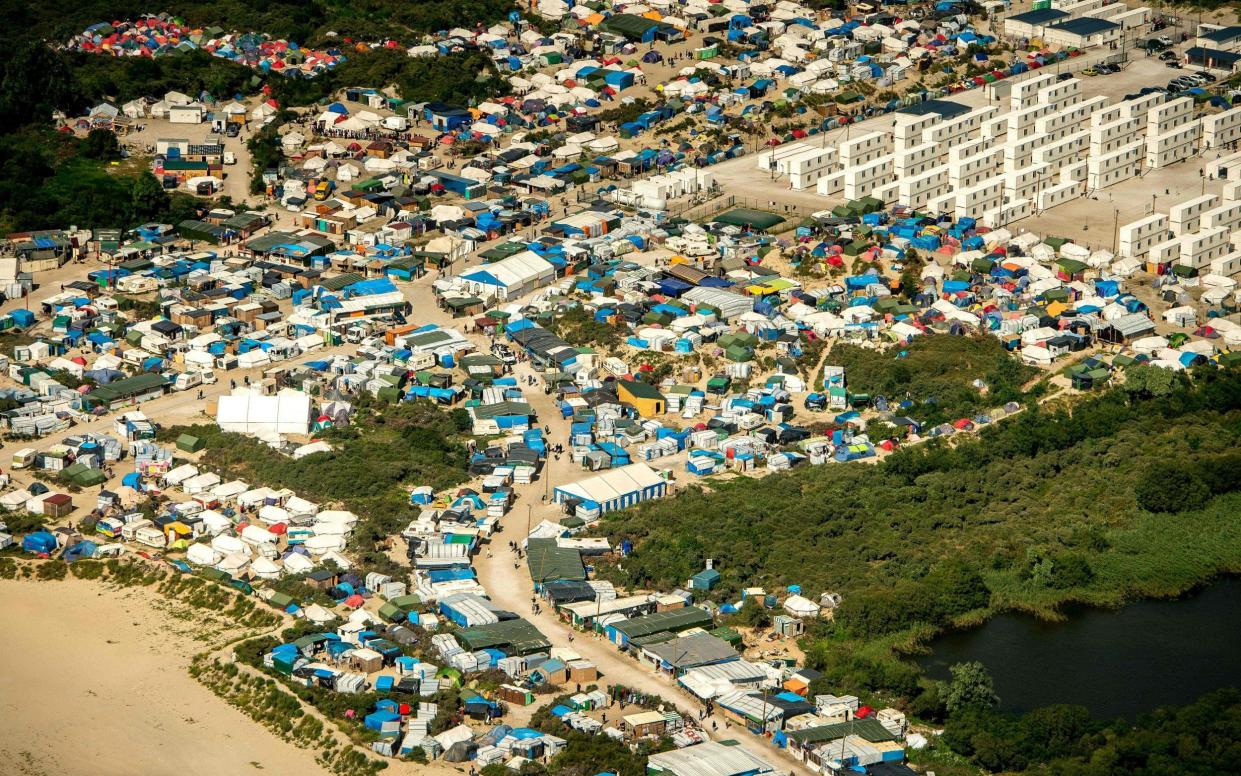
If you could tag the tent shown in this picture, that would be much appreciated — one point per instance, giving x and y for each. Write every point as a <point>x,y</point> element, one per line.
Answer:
<point>615,488</point>
<point>746,218</point>
<point>247,412</point>
<point>189,444</point>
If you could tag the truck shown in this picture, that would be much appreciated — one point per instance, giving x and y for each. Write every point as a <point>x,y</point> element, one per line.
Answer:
<point>24,458</point>
<point>360,331</point>
<point>230,157</point>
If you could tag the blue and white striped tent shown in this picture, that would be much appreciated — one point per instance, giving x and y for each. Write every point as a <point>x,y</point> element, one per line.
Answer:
<point>614,489</point>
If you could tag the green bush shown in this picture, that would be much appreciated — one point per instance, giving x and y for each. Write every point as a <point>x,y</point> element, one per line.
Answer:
<point>1171,487</point>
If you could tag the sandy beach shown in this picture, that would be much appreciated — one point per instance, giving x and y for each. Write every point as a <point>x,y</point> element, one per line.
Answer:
<point>94,681</point>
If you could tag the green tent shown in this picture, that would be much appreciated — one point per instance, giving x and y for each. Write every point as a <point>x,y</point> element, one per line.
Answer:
<point>280,600</point>
<point>84,476</point>
<point>738,353</point>
<point>392,612</point>
<point>189,443</point>
<point>745,217</point>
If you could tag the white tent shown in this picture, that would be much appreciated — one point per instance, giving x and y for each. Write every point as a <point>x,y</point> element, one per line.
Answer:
<point>296,563</point>
<point>180,474</point>
<point>318,615</point>
<point>247,412</point>
<point>270,514</point>
<point>228,544</point>
<point>264,568</point>
<point>800,606</point>
<point>214,522</point>
<point>202,555</point>
<point>318,545</point>
<point>510,278</point>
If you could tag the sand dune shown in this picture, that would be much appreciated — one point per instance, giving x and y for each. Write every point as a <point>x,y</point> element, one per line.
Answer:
<point>94,681</point>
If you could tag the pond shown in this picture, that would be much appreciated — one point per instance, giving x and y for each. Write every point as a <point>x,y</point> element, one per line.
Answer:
<point>1115,662</point>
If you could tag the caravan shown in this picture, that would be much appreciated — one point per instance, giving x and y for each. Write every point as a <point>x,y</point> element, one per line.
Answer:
<point>187,380</point>
<point>25,458</point>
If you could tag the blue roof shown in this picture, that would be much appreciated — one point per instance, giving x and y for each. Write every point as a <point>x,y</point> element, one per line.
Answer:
<point>482,276</point>
<point>1039,16</point>
<point>1086,25</point>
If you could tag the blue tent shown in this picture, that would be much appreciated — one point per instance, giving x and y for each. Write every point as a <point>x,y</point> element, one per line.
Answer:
<point>39,542</point>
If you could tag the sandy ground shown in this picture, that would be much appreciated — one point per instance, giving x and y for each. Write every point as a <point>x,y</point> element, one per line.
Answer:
<point>95,682</point>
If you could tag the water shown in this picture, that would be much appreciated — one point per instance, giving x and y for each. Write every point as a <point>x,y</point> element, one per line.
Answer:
<point>1117,663</point>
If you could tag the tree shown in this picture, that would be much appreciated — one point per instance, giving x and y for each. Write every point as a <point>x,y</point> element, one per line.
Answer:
<point>149,198</point>
<point>1147,381</point>
<point>34,82</point>
<point>101,144</point>
<point>971,688</point>
<point>1171,488</point>
<point>753,614</point>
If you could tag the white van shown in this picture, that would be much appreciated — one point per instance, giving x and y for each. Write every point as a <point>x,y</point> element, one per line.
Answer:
<point>208,376</point>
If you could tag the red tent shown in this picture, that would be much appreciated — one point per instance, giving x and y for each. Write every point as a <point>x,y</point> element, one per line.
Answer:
<point>354,601</point>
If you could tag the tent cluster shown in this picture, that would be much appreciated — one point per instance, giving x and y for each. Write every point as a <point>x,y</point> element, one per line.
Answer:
<point>153,36</point>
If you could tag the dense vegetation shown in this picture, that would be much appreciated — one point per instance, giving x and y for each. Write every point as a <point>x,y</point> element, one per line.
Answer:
<point>578,326</point>
<point>1015,506</point>
<point>937,374</point>
<point>49,180</point>
<point>459,78</point>
<point>1203,737</point>
<point>125,78</point>
<point>1043,508</point>
<point>369,471</point>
